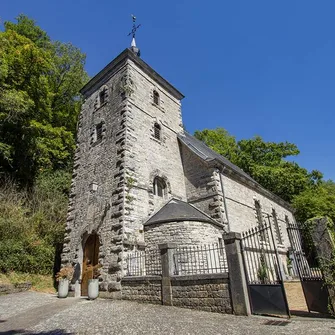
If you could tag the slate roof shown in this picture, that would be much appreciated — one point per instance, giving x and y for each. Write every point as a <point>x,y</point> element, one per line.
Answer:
<point>176,210</point>
<point>207,154</point>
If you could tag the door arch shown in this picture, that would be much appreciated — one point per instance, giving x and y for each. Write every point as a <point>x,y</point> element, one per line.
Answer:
<point>91,256</point>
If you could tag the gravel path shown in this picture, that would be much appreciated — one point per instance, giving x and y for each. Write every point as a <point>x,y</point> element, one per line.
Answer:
<point>79,316</point>
<point>13,304</point>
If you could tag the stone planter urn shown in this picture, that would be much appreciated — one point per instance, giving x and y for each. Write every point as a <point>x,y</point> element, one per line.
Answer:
<point>93,289</point>
<point>63,288</point>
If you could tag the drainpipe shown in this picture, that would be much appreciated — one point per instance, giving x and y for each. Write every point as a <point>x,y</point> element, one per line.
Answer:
<point>224,197</point>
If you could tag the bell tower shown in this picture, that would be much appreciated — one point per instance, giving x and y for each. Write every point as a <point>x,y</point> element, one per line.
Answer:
<point>127,163</point>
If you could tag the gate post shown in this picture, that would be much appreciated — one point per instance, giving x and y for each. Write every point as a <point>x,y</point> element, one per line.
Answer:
<point>237,279</point>
<point>167,270</point>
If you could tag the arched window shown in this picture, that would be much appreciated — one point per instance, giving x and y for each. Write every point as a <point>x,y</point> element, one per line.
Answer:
<point>277,227</point>
<point>156,98</point>
<point>259,215</point>
<point>157,131</point>
<point>159,187</point>
<point>98,132</point>
<point>102,96</point>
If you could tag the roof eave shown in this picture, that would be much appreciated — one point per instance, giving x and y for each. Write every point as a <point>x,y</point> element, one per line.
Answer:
<point>121,58</point>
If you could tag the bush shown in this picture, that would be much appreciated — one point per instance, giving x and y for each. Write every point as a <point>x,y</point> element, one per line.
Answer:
<point>32,223</point>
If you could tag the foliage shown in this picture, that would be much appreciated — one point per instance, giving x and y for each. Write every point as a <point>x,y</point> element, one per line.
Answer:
<point>262,271</point>
<point>220,141</point>
<point>65,272</point>
<point>39,100</point>
<point>264,161</point>
<point>32,223</point>
<point>93,271</point>
<point>316,201</point>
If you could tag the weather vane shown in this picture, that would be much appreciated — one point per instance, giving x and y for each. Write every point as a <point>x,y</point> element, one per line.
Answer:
<point>135,27</point>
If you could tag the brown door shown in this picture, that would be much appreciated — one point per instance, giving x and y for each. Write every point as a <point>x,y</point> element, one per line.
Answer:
<point>91,256</point>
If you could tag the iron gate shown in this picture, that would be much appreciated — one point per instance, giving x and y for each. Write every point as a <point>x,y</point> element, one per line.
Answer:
<point>263,275</point>
<point>305,263</point>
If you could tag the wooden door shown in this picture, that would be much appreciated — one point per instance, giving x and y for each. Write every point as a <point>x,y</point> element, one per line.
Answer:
<point>91,256</point>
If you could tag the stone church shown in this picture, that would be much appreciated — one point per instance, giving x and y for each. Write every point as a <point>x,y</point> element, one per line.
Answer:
<point>139,179</point>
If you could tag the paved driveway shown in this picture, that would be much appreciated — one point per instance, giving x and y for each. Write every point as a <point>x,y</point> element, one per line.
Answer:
<point>37,313</point>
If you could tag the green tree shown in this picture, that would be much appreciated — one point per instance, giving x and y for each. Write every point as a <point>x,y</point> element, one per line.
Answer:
<point>220,141</point>
<point>32,223</point>
<point>316,201</point>
<point>39,100</point>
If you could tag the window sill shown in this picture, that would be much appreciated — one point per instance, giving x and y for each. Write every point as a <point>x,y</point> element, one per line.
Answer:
<point>158,107</point>
<point>104,104</point>
<point>94,144</point>
<point>156,140</point>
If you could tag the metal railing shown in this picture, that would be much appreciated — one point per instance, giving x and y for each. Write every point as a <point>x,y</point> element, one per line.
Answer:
<point>305,260</point>
<point>144,263</point>
<point>202,259</point>
<point>260,255</point>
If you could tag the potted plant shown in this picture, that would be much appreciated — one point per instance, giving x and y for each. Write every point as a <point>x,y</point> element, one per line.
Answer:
<point>63,277</point>
<point>93,282</point>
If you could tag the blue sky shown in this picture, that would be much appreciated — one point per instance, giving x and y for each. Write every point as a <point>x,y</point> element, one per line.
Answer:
<point>252,67</point>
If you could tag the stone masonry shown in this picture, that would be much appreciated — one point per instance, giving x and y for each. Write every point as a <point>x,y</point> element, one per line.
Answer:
<point>119,155</point>
<point>111,193</point>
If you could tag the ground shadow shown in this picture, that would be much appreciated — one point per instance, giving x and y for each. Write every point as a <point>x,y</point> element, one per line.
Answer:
<point>23,331</point>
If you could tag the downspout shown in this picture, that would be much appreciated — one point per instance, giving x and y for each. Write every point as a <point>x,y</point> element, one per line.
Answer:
<point>224,197</point>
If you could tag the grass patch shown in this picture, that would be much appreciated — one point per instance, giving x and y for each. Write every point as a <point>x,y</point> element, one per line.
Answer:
<point>40,283</point>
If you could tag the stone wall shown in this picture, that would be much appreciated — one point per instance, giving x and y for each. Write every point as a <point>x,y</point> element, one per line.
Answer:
<point>205,292</point>
<point>182,233</point>
<point>240,199</point>
<point>10,288</point>
<point>149,157</point>
<point>142,289</point>
<point>97,198</point>
<point>203,187</point>
<point>111,192</point>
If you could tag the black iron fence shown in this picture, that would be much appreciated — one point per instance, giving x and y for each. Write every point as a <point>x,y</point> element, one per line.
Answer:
<point>144,263</point>
<point>305,263</point>
<point>262,268</point>
<point>305,260</point>
<point>202,259</point>
<point>187,260</point>
<point>260,255</point>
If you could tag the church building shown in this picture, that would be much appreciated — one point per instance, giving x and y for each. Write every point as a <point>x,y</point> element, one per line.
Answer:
<point>140,179</point>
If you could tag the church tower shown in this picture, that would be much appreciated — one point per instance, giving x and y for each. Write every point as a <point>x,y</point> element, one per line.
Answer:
<point>127,166</point>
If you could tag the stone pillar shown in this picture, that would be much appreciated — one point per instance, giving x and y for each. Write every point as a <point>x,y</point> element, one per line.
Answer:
<point>325,250</point>
<point>167,271</point>
<point>237,280</point>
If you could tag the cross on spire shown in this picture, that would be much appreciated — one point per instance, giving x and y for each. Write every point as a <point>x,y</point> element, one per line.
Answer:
<point>133,33</point>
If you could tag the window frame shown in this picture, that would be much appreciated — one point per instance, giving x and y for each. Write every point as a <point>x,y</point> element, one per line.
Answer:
<point>159,187</point>
<point>156,98</point>
<point>102,97</point>
<point>261,226</point>
<point>157,131</point>
<point>99,132</point>
<point>277,226</point>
